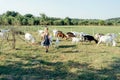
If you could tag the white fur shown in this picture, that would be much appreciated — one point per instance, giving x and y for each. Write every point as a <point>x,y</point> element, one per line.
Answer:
<point>40,32</point>
<point>81,34</point>
<point>29,37</point>
<point>75,33</point>
<point>113,35</point>
<point>108,40</point>
<point>55,32</point>
<point>75,40</point>
<point>4,33</point>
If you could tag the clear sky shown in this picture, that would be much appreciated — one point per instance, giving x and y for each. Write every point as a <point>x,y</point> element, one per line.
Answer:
<point>85,9</point>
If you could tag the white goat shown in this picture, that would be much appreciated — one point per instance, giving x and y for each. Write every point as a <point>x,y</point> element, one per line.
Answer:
<point>75,33</point>
<point>4,30</point>
<point>55,32</point>
<point>29,37</point>
<point>40,32</point>
<point>75,40</point>
<point>108,40</point>
<point>113,35</point>
<point>4,34</point>
<point>98,35</point>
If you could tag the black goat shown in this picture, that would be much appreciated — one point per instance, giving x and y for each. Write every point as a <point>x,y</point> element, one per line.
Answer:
<point>89,38</point>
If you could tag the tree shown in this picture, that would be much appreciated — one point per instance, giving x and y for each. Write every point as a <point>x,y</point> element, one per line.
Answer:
<point>29,16</point>
<point>43,19</point>
<point>36,21</point>
<point>101,22</point>
<point>74,21</point>
<point>67,21</point>
<point>30,21</point>
<point>58,22</point>
<point>11,13</point>
<point>24,21</point>
<point>0,19</point>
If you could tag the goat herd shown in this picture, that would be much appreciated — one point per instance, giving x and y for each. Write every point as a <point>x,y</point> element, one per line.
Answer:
<point>108,39</point>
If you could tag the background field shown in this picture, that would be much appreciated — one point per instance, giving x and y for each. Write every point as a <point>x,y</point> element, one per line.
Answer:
<point>85,61</point>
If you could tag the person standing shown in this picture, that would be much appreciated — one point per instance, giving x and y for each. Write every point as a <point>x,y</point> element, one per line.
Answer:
<point>46,42</point>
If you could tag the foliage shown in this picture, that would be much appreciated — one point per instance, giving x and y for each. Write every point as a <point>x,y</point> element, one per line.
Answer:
<point>14,18</point>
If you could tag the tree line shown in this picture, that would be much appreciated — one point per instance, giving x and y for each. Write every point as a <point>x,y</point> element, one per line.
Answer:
<point>15,18</point>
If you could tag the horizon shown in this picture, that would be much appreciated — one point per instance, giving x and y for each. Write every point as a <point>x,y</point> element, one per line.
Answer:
<point>100,9</point>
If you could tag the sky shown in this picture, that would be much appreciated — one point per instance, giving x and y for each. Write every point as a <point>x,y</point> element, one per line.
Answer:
<point>82,9</point>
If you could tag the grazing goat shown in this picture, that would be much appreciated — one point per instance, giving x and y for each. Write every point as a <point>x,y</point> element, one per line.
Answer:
<point>41,36</point>
<point>40,32</point>
<point>89,38</point>
<point>81,34</point>
<point>4,31</point>
<point>75,33</point>
<point>75,40</point>
<point>113,35</point>
<point>29,37</point>
<point>108,40</point>
<point>61,34</point>
<point>98,35</point>
<point>70,34</point>
<point>55,32</point>
<point>4,34</point>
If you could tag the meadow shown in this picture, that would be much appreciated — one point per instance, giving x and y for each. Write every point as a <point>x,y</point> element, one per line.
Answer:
<point>82,61</point>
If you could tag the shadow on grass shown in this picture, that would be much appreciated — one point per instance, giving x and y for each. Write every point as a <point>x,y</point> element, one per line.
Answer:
<point>40,70</point>
<point>66,46</point>
<point>72,51</point>
<point>34,69</point>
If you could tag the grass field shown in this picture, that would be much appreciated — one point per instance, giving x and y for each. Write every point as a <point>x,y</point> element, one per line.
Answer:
<point>85,61</point>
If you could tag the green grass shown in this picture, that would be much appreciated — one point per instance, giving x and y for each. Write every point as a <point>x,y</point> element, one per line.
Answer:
<point>68,62</point>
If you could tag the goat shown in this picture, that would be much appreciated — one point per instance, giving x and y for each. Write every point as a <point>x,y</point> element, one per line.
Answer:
<point>29,37</point>
<point>55,32</point>
<point>61,34</point>
<point>70,34</point>
<point>4,34</point>
<point>41,34</point>
<point>4,31</point>
<point>107,39</point>
<point>89,38</point>
<point>75,40</point>
<point>75,33</point>
<point>113,35</point>
<point>98,35</point>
